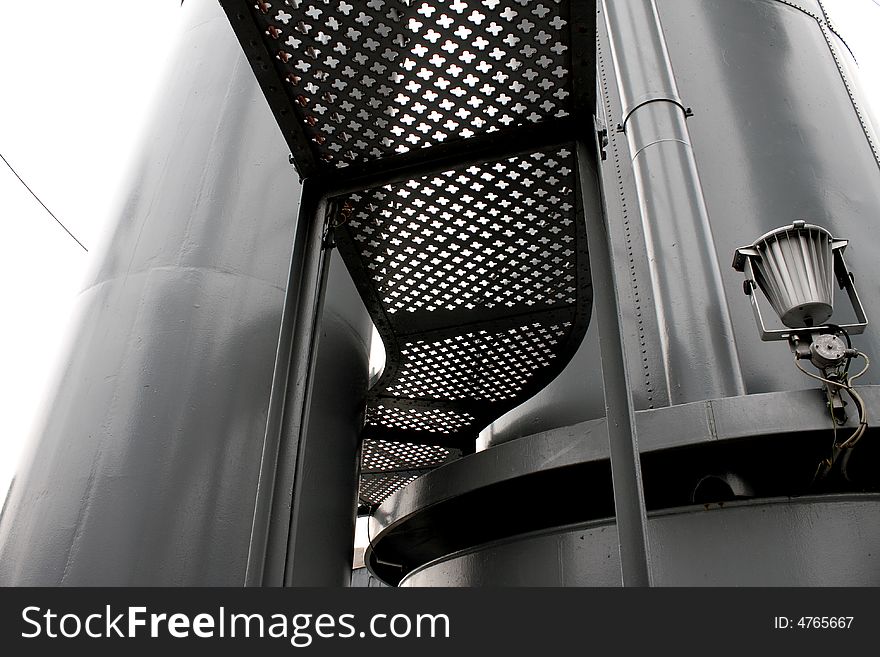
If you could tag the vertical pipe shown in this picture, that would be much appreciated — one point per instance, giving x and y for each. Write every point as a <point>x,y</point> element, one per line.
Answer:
<point>626,472</point>
<point>696,335</point>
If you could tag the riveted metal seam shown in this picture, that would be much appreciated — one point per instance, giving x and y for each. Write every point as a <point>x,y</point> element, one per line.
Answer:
<point>826,26</point>
<point>831,27</point>
<point>819,19</point>
<point>849,92</point>
<point>634,283</point>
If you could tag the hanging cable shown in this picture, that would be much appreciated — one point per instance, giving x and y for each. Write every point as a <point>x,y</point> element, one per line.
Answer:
<point>51,214</point>
<point>846,386</point>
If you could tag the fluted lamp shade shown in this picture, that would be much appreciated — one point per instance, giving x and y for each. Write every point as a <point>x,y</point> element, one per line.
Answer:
<point>794,268</point>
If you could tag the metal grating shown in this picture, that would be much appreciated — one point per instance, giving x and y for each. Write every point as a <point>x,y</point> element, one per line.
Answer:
<point>387,466</point>
<point>384,456</point>
<point>478,366</point>
<point>499,234</point>
<point>376,487</point>
<point>472,258</point>
<point>432,420</point>
<point>478,282</point>
<point>382,77</point>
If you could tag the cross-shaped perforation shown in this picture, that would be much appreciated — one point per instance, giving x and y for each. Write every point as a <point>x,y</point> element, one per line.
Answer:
<point>478,366</point>
<point>387,455</point>
<point>375,488</point>
<point>402,463</point>
<point>499,239</point>
<point>382,77</point>
<point>496,235</point>
<point>434,420</point>
<point>476,272</point>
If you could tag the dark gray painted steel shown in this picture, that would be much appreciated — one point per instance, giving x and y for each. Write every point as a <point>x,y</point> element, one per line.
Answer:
<point>321,542</point>
<point>145,469</point>
<point>554,406</point>
<point>713,422</point>
<point>640,324</point>
<point>777,135</point>
<point>634,554</point>
<point>291,382</point>
<point>760,543</point>
<point>696,345</point>
<point>777,138</point>
<point>772,439</point>
<point>520,311</point>
<point>362,579</point>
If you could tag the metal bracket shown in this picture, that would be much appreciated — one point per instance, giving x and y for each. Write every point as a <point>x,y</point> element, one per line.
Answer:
<point>602,135</point>
<point>800,343</point>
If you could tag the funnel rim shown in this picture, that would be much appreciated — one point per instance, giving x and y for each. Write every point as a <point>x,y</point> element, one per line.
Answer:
<point>797,226</point>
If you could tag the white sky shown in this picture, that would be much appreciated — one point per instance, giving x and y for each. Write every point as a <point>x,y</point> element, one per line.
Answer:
<point>78,81</point>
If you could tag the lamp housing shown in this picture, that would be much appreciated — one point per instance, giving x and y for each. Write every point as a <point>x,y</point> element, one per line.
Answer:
<point>795,267</point>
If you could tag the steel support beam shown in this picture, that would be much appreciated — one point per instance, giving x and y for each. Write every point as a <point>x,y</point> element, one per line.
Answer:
<point>274,510</point>
<point>626,473</point>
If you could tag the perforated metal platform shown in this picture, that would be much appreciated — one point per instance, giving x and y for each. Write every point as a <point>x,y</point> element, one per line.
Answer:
<point>446,129</point>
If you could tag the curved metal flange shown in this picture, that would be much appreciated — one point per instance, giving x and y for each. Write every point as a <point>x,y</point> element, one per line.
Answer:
<point>757,542</point>
<point>561,476</point>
